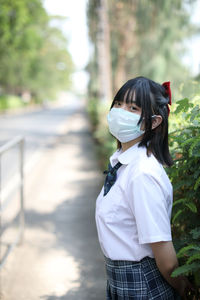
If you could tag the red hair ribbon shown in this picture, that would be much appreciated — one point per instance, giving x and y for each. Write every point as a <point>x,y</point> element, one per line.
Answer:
<point>166,85</point>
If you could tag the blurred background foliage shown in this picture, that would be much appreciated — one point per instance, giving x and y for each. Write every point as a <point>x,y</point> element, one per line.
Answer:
<point>147,38</point>
<point>137,38</point>
<point>34,61</point>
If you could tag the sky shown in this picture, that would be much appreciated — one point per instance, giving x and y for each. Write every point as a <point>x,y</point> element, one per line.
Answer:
<point>75,28</point>
<point>192,58</point>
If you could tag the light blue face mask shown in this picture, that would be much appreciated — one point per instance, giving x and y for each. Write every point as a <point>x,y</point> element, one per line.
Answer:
<point>123,124</point>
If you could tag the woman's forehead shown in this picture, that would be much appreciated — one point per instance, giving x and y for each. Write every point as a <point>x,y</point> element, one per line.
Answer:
<point>126,95</point>
<point>125,101</point>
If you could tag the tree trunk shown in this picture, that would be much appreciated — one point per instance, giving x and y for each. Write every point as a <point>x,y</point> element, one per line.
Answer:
<point>103,48</point>
<point>127,40</point>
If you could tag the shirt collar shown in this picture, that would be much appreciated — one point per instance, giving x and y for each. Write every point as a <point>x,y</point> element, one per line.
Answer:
<point>125,157</point>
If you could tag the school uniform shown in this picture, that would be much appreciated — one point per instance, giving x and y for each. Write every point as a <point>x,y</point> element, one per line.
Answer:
<point>135,212</point>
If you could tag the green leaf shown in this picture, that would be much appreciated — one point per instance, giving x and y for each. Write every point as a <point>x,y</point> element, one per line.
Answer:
<point>186,269</point>
<point>183,250</point>
<point>192,207</point>
<point>195,233</point>
<point>182,200</point>
<point>176,215</point>
<point>197,183</point>
<point>183,105</point>
<point>194,113</point>
<point>193,257</point>
<point>183,101</point>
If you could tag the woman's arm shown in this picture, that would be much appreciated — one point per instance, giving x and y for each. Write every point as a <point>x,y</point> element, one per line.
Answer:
<point>167,262</point>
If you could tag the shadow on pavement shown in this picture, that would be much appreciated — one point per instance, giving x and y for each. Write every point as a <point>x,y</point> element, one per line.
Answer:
<point>73,222</point>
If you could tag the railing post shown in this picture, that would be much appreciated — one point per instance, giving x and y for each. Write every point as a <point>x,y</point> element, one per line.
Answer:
<point>20,237</point>
<point>0,225</point>
<point>0,207</point>
<point>22,220</point>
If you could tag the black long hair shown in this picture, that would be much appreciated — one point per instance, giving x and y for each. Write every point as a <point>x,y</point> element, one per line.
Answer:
<point>152,98</point>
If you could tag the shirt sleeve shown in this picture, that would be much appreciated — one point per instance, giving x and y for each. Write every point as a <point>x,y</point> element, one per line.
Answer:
<point>149,206</point>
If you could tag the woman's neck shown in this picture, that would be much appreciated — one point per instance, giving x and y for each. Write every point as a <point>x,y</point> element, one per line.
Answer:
<point>127,145</point>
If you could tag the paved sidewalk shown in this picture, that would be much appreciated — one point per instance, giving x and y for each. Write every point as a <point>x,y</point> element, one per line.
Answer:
<point>60,258</point>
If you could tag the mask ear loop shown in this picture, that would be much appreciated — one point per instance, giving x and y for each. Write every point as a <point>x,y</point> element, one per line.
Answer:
<point>167,87</point>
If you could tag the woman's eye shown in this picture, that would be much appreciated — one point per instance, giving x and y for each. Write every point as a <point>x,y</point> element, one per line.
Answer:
<point>133,108</point>
<point>117,103</point>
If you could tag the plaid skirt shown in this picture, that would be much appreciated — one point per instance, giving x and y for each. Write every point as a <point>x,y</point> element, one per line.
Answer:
<point>141,280</point>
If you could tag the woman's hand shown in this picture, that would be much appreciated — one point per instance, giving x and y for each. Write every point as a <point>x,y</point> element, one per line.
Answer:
<point>185,287</point>
<point>167,262</point>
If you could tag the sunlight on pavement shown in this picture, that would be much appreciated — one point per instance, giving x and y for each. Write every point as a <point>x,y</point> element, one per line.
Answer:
<point>59,271</point>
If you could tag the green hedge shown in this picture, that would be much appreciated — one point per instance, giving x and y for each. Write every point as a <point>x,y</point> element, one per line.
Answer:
<point>185,177</point>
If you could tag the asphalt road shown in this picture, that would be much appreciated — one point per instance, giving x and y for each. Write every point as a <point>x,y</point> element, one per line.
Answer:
<point>39,127</point>
<point>60,257</point>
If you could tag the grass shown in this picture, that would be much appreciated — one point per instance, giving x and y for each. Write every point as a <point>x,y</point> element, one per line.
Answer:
<point>10,101</point>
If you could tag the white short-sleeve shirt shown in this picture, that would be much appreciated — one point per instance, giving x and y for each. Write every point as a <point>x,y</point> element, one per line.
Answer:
<point>137,209</point>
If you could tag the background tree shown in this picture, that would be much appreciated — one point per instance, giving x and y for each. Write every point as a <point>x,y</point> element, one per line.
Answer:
<point>124,40</point>
<point>33,55</point>
<point>99,30</point>
<point>147,38</point>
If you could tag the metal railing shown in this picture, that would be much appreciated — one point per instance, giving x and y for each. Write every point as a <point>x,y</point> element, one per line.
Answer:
<point>4,195</point>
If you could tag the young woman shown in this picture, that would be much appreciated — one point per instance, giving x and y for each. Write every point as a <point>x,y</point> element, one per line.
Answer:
<point>133,209</point>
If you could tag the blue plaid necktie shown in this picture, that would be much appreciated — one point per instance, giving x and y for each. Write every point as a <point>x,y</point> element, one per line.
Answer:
<point>110,177</point>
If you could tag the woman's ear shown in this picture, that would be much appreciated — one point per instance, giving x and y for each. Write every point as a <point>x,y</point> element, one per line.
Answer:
<point>157,120</point>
